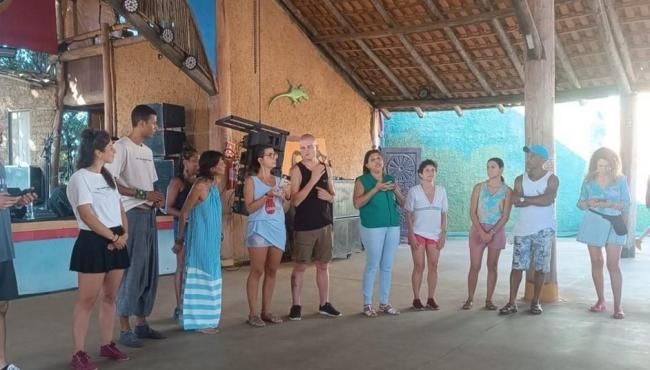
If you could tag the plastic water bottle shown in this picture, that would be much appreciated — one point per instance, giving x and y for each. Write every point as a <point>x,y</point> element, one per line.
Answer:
<point>269,206</point>
<point>3,185</point>
<point>29,212</point>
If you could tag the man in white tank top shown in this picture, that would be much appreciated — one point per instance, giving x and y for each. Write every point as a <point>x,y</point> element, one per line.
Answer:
<point>534,194</point>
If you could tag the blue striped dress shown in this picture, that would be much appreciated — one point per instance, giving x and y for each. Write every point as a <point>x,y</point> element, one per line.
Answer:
<point>202,284</point>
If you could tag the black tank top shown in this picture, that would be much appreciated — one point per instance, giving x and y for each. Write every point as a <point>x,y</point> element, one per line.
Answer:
<point>312,213</point>
<point>182,195</point>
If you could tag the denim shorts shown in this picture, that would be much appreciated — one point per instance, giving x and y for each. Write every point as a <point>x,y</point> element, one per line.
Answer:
<point>538,245</point>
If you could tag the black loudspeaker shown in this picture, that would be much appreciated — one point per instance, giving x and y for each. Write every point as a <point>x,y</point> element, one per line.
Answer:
<point>166,142</point>
<point>38,182</point>
<point>59,203</point>
<point>169,115</point>
<point>277,142</point>
<point>165,171</point>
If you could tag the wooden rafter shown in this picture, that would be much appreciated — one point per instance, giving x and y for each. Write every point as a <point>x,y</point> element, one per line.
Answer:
<point>362,44</point>
<point>337,63</point>
<point>203,79</point>
<point>617,32</point>
<point>566,63</point>
<point>605,32</point>
<point>528,29</point>
<point>433,77</point>
<point>517,99</point>
<point>399,30</point>
<point>505,41</point>
<point>460,49</point>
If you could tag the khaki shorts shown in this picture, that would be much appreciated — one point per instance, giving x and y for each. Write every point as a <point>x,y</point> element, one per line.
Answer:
<point>313,245</point>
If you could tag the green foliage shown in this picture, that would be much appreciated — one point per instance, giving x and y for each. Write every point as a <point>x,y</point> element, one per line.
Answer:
<point>73,123</point>
<point>28,61</point>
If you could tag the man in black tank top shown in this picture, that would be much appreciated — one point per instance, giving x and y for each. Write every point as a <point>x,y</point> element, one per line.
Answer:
<point>312,195</point>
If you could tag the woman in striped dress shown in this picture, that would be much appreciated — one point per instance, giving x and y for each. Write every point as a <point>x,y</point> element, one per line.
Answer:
<point>201,298</point>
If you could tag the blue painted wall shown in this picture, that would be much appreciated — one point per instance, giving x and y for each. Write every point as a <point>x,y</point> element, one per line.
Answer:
<point>463,145</point>
<point>43,266</point>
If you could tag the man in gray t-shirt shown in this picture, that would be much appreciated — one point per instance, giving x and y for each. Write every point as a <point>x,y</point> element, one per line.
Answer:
<point>8,286</point>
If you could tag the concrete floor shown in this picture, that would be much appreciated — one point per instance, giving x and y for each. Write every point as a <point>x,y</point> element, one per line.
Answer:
<point>566,336</point>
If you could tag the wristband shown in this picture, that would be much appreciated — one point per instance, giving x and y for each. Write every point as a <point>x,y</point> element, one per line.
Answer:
<point>115,238</point>
<point>140,194</point>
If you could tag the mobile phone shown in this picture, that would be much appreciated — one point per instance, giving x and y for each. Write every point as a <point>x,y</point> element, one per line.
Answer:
<point>15,192</point>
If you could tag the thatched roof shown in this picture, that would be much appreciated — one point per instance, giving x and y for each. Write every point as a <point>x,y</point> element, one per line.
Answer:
<point>446,54</point>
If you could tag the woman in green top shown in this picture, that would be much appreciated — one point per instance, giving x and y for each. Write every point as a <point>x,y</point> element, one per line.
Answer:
<point>377,196</point>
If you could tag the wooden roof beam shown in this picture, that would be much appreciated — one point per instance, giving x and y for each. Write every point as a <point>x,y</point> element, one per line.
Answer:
<point>518,99</point>
<point>205,81</point>
<point>391,76</point>
<point>401,30</point>
<point>387,114</point>
<point>566,63</point>
<point>331,56</point>
<point>608,39</point>
<point>620,40</point>
<point>419,112</point>
<point>433,77</point>
<point>528,29</point>
<point>505,41</point>
<point>458,46</point>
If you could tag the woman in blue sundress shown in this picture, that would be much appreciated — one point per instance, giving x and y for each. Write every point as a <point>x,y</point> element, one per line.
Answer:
<point>201,233</point>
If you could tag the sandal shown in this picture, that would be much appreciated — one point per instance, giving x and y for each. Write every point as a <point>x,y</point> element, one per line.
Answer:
<point>508,309</point>
<point>490,306</point>
<point>467,305</point>
<point>388,309</point>
<point>256,321</point>
<point>619,315</point>
<point>209,331</point>
<point>536,309</point>
<point>432,305</point>
<point>271,318</point>
<point>598,307</point>
<point>368,311</point>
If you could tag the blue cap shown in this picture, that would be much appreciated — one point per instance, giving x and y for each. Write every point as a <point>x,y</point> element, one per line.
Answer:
<point>537,150</point>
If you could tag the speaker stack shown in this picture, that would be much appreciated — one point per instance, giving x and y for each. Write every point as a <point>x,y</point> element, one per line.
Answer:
<point>167,144</point>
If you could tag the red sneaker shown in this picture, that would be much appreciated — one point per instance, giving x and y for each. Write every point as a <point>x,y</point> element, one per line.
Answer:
<point>81,361</point>
<point>111,351</point>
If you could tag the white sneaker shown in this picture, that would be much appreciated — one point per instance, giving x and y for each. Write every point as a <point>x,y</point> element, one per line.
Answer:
<point>12,367</point>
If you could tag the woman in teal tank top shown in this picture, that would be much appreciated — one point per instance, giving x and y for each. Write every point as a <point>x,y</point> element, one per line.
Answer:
<point>489,211</point>
<point>377,197</point>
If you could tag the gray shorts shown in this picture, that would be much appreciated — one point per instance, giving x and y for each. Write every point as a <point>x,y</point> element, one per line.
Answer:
<point>8,285</point>
<point>535,247</point>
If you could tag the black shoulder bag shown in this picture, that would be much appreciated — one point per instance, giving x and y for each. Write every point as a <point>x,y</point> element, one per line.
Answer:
<point>618,223</point>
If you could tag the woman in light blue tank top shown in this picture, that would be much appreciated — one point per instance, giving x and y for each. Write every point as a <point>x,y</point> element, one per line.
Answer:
<point>489,212</point>
<point>266,198</point>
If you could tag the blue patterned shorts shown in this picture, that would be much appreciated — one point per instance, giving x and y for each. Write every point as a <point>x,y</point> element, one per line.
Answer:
<point>536,246</point>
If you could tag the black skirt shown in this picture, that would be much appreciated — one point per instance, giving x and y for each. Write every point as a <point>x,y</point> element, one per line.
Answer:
<point>91,255</point>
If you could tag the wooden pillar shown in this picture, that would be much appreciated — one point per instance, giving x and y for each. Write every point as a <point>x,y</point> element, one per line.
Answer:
<point>539,97</point>
<point>107,67</point>
<point>60,93</point>
<point>629,144</point>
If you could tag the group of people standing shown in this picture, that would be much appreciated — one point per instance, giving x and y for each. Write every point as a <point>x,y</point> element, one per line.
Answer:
<point>604,197</point>
<point>116,253</point>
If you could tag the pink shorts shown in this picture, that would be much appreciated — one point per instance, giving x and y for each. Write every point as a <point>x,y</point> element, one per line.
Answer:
<point>425,241</point>
<point>497,242</point>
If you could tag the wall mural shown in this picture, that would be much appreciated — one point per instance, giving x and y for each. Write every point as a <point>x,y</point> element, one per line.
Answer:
<point>295,93</point>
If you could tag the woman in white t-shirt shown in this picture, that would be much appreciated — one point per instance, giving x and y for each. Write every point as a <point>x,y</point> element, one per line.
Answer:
<point>426,218</point>
<point>99,255</point>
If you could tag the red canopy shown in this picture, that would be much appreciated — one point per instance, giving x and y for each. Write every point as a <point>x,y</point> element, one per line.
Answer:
<point>29,24</point>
